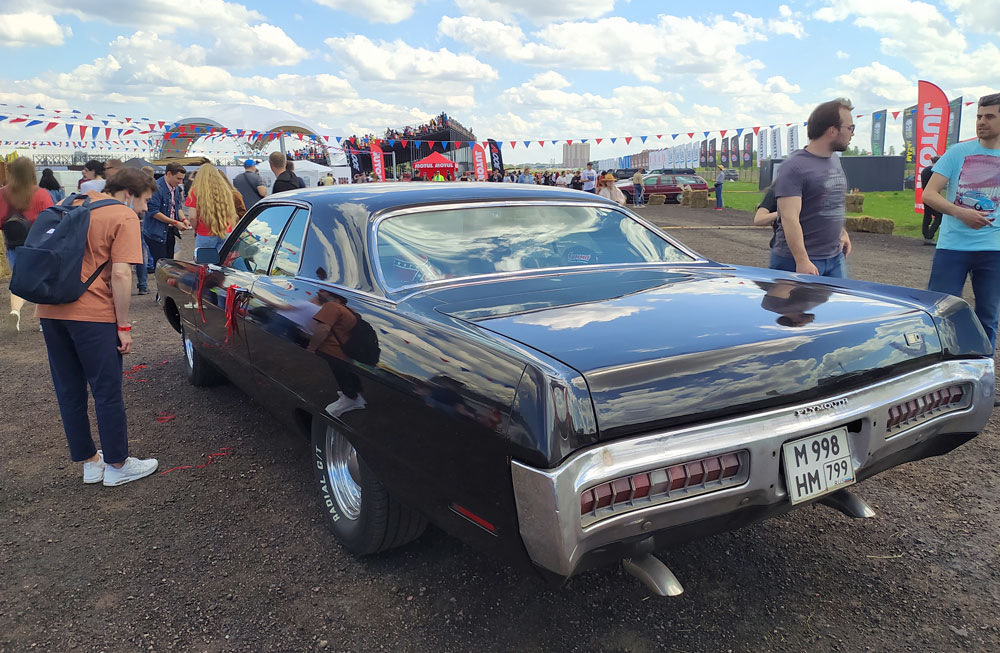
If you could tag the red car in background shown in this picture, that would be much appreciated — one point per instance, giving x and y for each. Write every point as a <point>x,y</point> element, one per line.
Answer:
<point>669,185</point>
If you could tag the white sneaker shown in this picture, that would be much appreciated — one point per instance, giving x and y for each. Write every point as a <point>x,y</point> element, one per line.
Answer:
<point>15,320</point>
<point>132,470</point>
<point>345,404</point>
<point>94,472</point>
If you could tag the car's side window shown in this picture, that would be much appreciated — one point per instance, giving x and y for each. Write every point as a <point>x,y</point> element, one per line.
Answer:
<point>651,180</point>
<point>251,251</point>
<point>289,253</point>
<point>334,247</point>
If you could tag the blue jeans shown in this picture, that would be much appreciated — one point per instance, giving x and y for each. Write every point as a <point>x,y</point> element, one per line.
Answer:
<point>82,353</point>
<point>827,267</point>
<point>949,271</point>
<point>718,196</point>
<point>637,195</point>
<point>10,258</point>
<point>141,271</point>
<point>208,241</point>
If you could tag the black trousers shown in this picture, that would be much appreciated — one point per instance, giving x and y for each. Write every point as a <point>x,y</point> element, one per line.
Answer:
<point>161,250</point>
<point>932,220</point>
<point>349,382</point>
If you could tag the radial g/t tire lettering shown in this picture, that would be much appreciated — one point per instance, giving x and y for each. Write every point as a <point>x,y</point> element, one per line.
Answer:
<point>364,518</point>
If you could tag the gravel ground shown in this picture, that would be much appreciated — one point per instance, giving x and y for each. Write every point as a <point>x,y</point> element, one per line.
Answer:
<point>233,556</point>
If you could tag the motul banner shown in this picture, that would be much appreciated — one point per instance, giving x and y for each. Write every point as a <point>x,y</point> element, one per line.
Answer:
<point>909,123</point>
<point>479,161</point>
<point>748,150</point>
<point>931,132</point>
<point>711,162</point>
<point>496,158</point>
<point>878,132</point>
<point>954,121</point>
<point>703,154</point>
<point>353,161</point>
<point>734,151</point>
<point>378,166</point>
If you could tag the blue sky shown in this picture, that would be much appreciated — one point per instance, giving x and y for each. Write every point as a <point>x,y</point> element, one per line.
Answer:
<point>511,70</point>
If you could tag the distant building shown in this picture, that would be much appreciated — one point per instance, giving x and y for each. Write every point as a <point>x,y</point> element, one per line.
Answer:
<point>575,155</point>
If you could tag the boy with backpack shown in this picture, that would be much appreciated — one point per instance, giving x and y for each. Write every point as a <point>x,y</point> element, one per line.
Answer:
<point>76,265</point>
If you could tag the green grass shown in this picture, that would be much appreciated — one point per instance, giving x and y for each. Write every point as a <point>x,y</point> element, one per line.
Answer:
<point>896,205</point>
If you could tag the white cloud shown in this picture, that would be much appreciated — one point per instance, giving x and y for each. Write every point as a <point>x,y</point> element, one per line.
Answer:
<point>787,23</point>
<point>842,55</point>
<point>165,15</point>
<point>255,45</point>
<point>975,15</point>
<point>539,12</point>
<point>781,85</point>
<point>876,85</point>
<point>382,11</point>
<point>29,28</point>
<point>396,67</point>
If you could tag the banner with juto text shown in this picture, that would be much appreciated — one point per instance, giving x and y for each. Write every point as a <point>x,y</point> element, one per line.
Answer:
<point>931,133</point>
<point>479,161</point>
<point>378,165</point>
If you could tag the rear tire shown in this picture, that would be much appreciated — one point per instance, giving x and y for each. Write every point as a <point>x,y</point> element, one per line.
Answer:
<point>364,518</point>
<point>200,373</point>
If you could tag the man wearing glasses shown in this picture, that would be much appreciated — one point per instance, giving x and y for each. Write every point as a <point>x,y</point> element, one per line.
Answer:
<point>811,237</point>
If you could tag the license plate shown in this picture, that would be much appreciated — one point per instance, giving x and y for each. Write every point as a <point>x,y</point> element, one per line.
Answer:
<point>817,465</point>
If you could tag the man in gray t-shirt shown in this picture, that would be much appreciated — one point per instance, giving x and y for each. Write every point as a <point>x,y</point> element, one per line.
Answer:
<point>250,185</point>
<point>810,237</point>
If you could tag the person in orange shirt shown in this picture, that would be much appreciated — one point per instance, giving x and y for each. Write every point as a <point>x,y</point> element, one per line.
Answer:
<point>21,196</point>
<point>86,339</point>
<point>334,323</point>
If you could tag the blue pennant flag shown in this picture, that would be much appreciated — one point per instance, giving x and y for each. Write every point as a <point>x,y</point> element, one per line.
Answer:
<point>392,142</point>
<point>526,144</point>
<point>94,131</point>
<point>707,133</point>
<point>32,123</point>
<point>739,132</point>
<point>613,140</point>
<point>338,138</point>
<point>770,126</point>
<point>69,130</point>
<point>554,142</point>
<point>38,106</point>
<point>643,138</point>
<point>76,111</point>
<point>584,140</point>
<point>674,137</point>
<point>105,122</point>
<point>499,145</point>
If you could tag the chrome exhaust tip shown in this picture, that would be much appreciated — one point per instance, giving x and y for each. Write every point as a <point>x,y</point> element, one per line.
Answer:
<point>850,504</point>
<point>654,574</point>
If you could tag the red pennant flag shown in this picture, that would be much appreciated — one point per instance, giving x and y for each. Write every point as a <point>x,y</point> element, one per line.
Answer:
<point>89,117</point>
<point>128,120</point>
<point>569,142</point>
<point>326,138</point>
<point>152,126</point>
<point>895,114</point>
<point>183,128</point>
<point>18,120</point>
<point>723,133</point>
<point>598,140</point>
<point>659,136</point>
<point>513,144</point>
<point>788,124</point>
<point>161,123</point>
<point>755,130</point>
<point>107,133</point>
<point>968,103</point>
<point>690,134</point>
<point>83,131</point>
<point>628,139</point>
<point>404,143</point>
<point>51,125</point>
<point>541,143</point>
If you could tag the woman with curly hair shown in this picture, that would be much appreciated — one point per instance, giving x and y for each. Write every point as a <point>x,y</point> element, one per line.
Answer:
<point>21,200</point>
<point>212,207</point>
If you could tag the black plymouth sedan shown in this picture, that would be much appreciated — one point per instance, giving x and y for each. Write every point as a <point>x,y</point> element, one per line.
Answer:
<point>553,380</point>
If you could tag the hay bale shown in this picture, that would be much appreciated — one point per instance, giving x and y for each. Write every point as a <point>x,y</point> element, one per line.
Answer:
<point>657,199</point>
<point>854,203</point>
<point>686,196</point>
<point>868,224</point>
<point>699,199</point>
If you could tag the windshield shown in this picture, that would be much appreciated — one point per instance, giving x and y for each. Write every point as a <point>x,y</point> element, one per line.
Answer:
<point>425,247</point>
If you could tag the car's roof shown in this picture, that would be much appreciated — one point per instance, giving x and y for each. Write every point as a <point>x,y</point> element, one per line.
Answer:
<point>381,196</point>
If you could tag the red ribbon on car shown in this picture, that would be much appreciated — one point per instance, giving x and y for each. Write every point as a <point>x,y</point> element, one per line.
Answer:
<point>234,300</point>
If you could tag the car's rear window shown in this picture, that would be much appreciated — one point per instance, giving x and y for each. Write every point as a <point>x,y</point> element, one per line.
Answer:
<point>424,247</point>
<point>682,180</point>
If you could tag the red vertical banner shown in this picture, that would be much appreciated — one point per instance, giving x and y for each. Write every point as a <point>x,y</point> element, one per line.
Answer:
<point>479,161</point>
<point>932,133</point>
<point>378,166</point>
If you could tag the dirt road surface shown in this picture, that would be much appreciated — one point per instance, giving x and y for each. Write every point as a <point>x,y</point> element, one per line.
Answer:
<point>233,556</point>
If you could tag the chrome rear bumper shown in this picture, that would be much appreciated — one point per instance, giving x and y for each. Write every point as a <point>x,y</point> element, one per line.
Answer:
<point>548,500</point>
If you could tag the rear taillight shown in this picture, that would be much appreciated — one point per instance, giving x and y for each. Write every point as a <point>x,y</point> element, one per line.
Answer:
<point>931,404</point>
<point>664,484</point>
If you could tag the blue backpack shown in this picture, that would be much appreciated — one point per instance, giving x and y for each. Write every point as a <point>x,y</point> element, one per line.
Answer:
<point>47,267</point>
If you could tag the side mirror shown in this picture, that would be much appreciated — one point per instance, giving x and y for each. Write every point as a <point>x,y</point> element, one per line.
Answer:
<point>206,256</point>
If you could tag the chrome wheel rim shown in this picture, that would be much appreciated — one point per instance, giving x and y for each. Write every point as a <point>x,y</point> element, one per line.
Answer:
<point>343,473</point>
<point>189,351</point>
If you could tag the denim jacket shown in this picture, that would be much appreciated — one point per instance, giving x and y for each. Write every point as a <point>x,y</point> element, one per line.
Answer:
<point>152,228</point>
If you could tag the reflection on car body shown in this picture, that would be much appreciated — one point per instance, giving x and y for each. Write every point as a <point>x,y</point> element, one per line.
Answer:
<point>550,378</point>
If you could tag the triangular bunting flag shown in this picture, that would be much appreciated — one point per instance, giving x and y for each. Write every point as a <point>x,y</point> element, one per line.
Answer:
<point>526,144</point>
<point>404,142</point>
<point>895,114</point>
<point>392,141</point>
<point>554,142</point>
<point>541,143</point>
<point>50,126</point>
<point>83,131</point>
<point>643,138</point>
<point>17,120</point>
<point>788,124</point>
<point>722,133</point>
<point>673,137</point>
<point>598,140</point>
<point>628,140</point>
<point>160,124</point>
<point>569,142</point>
<point>690,134</point>
<point>33,123</point>
<point>513,144</point>
<point>968,103</point>
<point>69,131</point>
<point>707,133</point>
<point>419,143</point>
<point>584,140</point>
<point>739,132</point>
<point>613,139</point>
<point>107,132</point>
<point>755,130</point>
